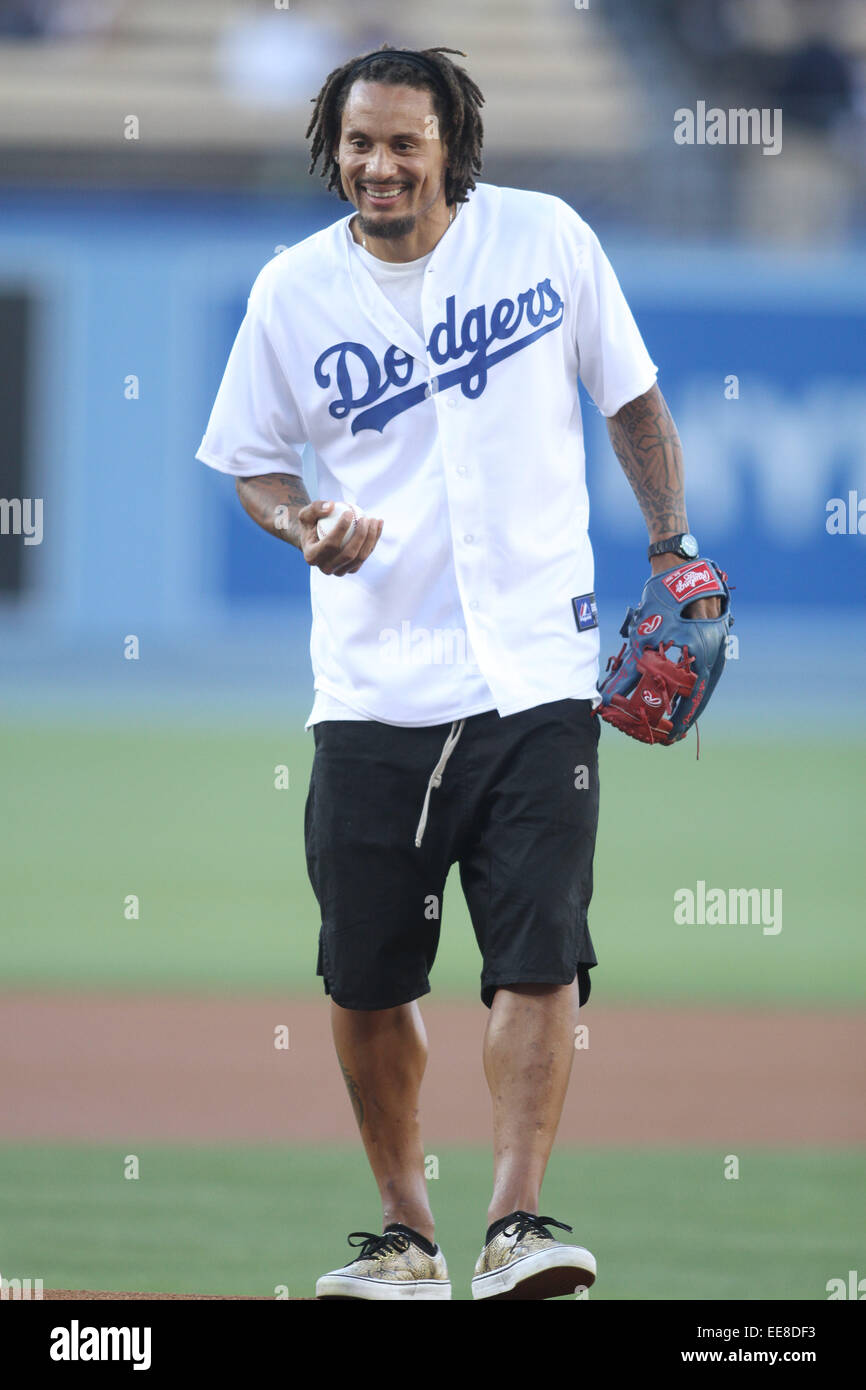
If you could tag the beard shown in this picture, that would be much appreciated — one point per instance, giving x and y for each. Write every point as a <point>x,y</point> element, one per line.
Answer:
<point>388,228</point>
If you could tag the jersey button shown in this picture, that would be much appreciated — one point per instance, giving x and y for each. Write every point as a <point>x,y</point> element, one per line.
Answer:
<point>474,604</point>
<point>462,469</point>
<point>468,538</point>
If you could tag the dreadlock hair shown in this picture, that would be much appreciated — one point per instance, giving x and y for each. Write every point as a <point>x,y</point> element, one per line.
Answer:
<point>456,99</point>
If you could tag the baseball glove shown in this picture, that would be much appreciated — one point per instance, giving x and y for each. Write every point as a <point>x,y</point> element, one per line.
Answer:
<point>669,665</point>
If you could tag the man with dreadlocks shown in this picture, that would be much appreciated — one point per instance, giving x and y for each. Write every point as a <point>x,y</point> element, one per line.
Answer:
<point>427,347</point>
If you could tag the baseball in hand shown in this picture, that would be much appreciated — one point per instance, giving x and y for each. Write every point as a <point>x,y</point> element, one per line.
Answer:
<point>326,524</point>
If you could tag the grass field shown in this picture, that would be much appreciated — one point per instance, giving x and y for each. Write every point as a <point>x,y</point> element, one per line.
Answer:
<point>225,1221</point>
<point>192,824</point>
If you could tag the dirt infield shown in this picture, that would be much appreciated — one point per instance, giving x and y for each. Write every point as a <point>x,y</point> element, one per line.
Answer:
<point>158,1068</point>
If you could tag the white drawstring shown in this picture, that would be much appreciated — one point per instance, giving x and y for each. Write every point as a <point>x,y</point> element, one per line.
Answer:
<point>436,776</point>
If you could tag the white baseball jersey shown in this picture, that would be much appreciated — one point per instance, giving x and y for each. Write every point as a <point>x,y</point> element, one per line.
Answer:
<point>467,441</point>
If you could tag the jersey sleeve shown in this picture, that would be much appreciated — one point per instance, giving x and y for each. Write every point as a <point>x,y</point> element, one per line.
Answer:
<point>254,426</point>
<point>614,364</point>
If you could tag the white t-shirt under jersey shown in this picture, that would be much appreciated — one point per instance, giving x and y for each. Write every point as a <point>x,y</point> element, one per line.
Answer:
<point>401,281</point>
<point>466,438</point>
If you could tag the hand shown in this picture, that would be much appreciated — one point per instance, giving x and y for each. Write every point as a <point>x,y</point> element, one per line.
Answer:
<point>326,555</point>
<point>702,607</point>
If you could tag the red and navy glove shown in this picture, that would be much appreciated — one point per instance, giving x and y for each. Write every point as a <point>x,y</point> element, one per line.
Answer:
<point>670,664</point>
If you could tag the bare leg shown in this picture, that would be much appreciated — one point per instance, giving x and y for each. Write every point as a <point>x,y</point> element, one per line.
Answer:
<point>528,1051</point>
<point>382,1054</point>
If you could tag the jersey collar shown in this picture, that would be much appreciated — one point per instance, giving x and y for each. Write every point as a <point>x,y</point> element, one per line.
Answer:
<point>444,265</point>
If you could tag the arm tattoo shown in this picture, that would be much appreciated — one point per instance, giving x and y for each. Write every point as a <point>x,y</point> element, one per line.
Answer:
<point>354,1093</point>
<point>645,441</point>
<point>273,500</point>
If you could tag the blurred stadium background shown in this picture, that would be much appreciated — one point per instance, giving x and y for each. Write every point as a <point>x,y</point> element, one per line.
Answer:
<point>151,160</point>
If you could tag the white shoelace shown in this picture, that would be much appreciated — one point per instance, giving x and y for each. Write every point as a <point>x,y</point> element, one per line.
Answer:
<point>436,776</point>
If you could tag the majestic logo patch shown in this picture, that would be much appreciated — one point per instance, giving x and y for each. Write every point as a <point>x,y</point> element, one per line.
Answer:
<point>650,625</point>
<point>585,612</point>
<point>690,581</point>
<point>361,380</point>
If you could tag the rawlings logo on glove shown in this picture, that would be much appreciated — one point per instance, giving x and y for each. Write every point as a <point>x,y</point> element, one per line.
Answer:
<point>690,581</point>
<point>670,665</point>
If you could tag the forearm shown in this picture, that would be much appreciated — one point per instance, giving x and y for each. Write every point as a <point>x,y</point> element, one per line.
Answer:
<point>645,441</point>
<point>273,500</point>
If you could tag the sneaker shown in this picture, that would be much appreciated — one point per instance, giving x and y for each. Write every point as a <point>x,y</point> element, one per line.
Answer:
<point>400,1263</point>
<point>521,1259</point>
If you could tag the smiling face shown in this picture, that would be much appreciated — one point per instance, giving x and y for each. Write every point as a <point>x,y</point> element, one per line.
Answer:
<point>392,162</point>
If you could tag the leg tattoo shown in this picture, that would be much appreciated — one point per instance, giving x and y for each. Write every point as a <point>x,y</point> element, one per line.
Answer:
<point>354,1093</point>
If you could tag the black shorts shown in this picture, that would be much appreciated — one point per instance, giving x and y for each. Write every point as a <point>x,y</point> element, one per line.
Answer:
<point>517,809</point>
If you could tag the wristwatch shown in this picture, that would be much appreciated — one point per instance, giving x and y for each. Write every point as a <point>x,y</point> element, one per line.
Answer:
<point>684,545</point>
